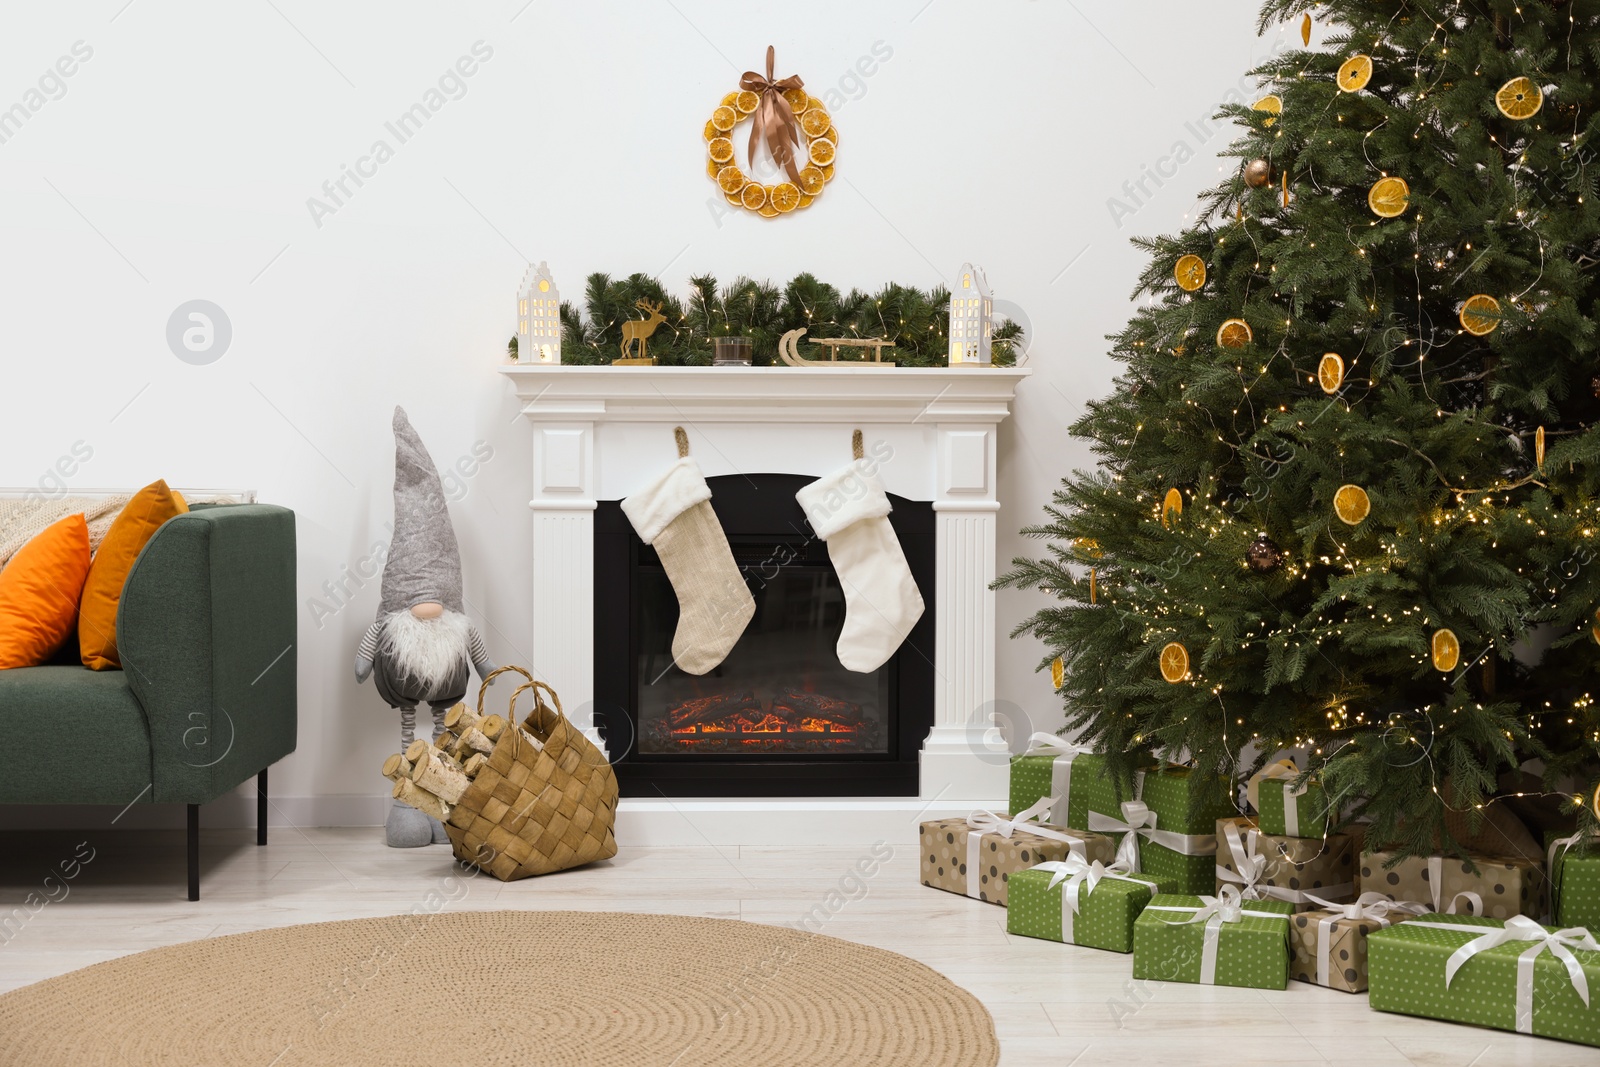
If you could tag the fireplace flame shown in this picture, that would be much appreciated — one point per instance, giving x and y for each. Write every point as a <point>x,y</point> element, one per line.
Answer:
<point>791,716</point>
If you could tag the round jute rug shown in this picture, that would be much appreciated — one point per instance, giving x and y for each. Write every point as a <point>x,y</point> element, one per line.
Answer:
<point>502,987</point>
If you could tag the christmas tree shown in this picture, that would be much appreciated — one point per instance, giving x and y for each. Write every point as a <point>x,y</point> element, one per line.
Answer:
<point>1346,500</point>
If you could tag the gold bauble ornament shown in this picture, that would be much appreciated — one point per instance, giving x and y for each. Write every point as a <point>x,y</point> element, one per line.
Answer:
<point>1174,662</point>
<point>1257,173</point>
<point>1445,649</point>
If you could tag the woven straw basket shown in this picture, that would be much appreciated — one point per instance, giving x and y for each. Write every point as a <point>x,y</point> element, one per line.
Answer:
<point>534,810</point>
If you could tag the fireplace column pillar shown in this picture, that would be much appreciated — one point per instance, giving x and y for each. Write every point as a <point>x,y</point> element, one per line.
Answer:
<point>965,757</point>
<point>563,566</point>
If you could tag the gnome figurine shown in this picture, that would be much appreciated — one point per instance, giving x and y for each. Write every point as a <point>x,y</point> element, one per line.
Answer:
<point>418,649</point>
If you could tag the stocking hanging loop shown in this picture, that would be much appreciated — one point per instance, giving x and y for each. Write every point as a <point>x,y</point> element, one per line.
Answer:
<point>855,445</point>
<point>683,441</point>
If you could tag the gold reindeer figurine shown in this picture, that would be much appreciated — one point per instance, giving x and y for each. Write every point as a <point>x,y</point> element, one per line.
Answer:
<point>640,330</point>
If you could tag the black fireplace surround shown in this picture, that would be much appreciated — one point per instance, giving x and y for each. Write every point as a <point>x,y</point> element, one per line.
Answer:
<point>780,716</point>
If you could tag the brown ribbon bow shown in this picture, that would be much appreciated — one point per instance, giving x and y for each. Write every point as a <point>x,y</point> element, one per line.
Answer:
<point>774,119</point>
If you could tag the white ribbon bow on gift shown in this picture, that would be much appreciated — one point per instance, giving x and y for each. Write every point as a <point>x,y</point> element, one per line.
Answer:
<point>1369,907</point>
<point>1226,907</point>
<point>1560,944</point>
<point>1436,888</point>
<point>987,822</point>
<point>1082,876</point>
<point>1252,867</point>
<point>1139,821</point>
<point>1283,770</point>
<point>1060,769</point>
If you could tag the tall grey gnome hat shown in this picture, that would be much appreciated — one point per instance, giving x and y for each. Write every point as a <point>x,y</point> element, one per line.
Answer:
<point>424,561</point>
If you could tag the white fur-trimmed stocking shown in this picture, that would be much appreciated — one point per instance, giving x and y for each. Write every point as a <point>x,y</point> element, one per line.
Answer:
<point>850,511</point>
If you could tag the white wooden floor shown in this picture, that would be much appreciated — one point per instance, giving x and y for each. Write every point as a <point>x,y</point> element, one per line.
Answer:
<point>1051,1004</point>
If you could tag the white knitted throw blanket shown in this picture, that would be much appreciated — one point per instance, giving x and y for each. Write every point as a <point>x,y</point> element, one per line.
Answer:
<point>23,518</point>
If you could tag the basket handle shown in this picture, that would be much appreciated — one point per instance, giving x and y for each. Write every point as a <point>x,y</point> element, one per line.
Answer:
<point>538,702</point>
<point>483,688</point>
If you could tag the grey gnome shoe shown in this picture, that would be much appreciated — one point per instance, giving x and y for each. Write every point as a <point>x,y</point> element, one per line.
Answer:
<point>439,836</point>
<point>406,827</point>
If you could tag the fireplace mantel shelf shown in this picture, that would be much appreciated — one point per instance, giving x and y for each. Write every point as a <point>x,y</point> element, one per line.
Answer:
<point>850,392</point>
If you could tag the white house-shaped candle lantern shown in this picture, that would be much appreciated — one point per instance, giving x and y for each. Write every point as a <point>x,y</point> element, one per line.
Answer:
<point>538,317</point>
<point>971,318</point>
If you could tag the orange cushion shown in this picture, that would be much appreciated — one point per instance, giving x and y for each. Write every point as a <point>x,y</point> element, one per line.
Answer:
<point>39,592</point>
<point>138,522</point>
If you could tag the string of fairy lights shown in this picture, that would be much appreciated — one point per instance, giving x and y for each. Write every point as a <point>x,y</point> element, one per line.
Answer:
<point>1137,591</point>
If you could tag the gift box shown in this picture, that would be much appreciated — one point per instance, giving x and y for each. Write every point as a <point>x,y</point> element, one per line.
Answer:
<point>1309,872</point>
<point>1080,903</point>
<point>1574,863</point>
<point>1220,940</point>
<point>1511,975</point>
<point>1170,831</point>
<point>1328,946</point>
<point>1072,774</point>
<point>977,855</point>
<point>1499,888</point>
<point>1290,810</point>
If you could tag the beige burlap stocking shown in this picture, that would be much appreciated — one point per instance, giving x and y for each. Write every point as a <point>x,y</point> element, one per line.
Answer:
<point>674,515</point>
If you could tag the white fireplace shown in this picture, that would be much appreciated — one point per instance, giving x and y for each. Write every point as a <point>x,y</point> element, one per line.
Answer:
<point>600,433</point>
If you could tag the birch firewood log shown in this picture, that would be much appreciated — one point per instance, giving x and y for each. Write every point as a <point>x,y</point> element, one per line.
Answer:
<point>408,792</point>
<point>434,775</point>
<point>396,767</point>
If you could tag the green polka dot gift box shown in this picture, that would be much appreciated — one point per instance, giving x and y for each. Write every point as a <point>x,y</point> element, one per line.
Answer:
<point>1080,903</point>
<point>1511,975</point>
<point>1498,887</point>
<point>977,856</point>
<point>1574,862</point>
<point>1308,872</point>
<point>1221,940</point>
<point>1172,813</point>
<point>1292,812</point>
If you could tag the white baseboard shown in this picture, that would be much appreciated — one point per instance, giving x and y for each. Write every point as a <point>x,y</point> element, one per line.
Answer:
<point>641,821</point>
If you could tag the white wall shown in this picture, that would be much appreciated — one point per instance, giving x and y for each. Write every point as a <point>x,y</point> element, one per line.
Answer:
<point>178,163</point>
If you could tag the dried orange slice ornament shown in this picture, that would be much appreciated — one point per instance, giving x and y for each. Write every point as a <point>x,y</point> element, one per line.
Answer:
<point>1330,372</point>
<point>1272,105</point>
<point>815,121</point>
<point>822,151</point>
<point>731,179</point>
<point>746,101</point>
<point>721,149</point>
<point>798,100</point>
<point>1355,73</point>
<point>811,180</point>
<point>1174,662</point>
<point>1538,448</point>
<point>1446,650</point>
<point>754,196</point>
<point>1352,504</point>
<point>1235,333</point>
<point>725,118</point>
<point>1596,628</point>
<point>1058,673</point>
<point>1519,99</point>
<point>1480,314</point>
<point>785,196</point>
<point>1171,507</point>
<point>1189,272</point>
<point>1389,197</point>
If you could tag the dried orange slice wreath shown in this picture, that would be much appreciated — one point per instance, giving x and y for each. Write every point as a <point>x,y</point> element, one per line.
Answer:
<point>815,157</point>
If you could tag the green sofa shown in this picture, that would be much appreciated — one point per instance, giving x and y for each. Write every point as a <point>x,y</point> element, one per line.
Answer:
<point>206,697</point>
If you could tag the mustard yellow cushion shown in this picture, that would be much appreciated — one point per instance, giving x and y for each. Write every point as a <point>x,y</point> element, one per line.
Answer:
<point>97,614</point>
<point>39,591</point>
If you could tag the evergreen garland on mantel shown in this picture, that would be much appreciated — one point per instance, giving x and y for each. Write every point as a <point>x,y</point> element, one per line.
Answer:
<point>915,320</point>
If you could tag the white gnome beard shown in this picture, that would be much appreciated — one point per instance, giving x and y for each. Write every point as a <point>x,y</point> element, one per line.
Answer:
<point>429,650</point>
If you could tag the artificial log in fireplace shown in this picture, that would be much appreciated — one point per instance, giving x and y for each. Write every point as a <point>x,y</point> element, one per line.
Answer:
<point>780,716</point>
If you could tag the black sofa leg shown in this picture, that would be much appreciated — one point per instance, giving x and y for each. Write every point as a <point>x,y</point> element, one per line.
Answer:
<point>261,807</point>
<point>194,851</point>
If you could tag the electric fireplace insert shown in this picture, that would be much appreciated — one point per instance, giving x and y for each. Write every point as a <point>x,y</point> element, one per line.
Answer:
<point>780,716</point>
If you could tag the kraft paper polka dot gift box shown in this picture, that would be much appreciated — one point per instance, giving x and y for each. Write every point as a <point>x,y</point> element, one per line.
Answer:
<point>1173,811</point>
<point>1296,869</point>
<point>1515,975</point>
<point>1221,940</point>
<point>1107,900</point>
<point>1328,946</point>
<point>1505,885</point>
<point>977,855</point>
<point>1574,863</point>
